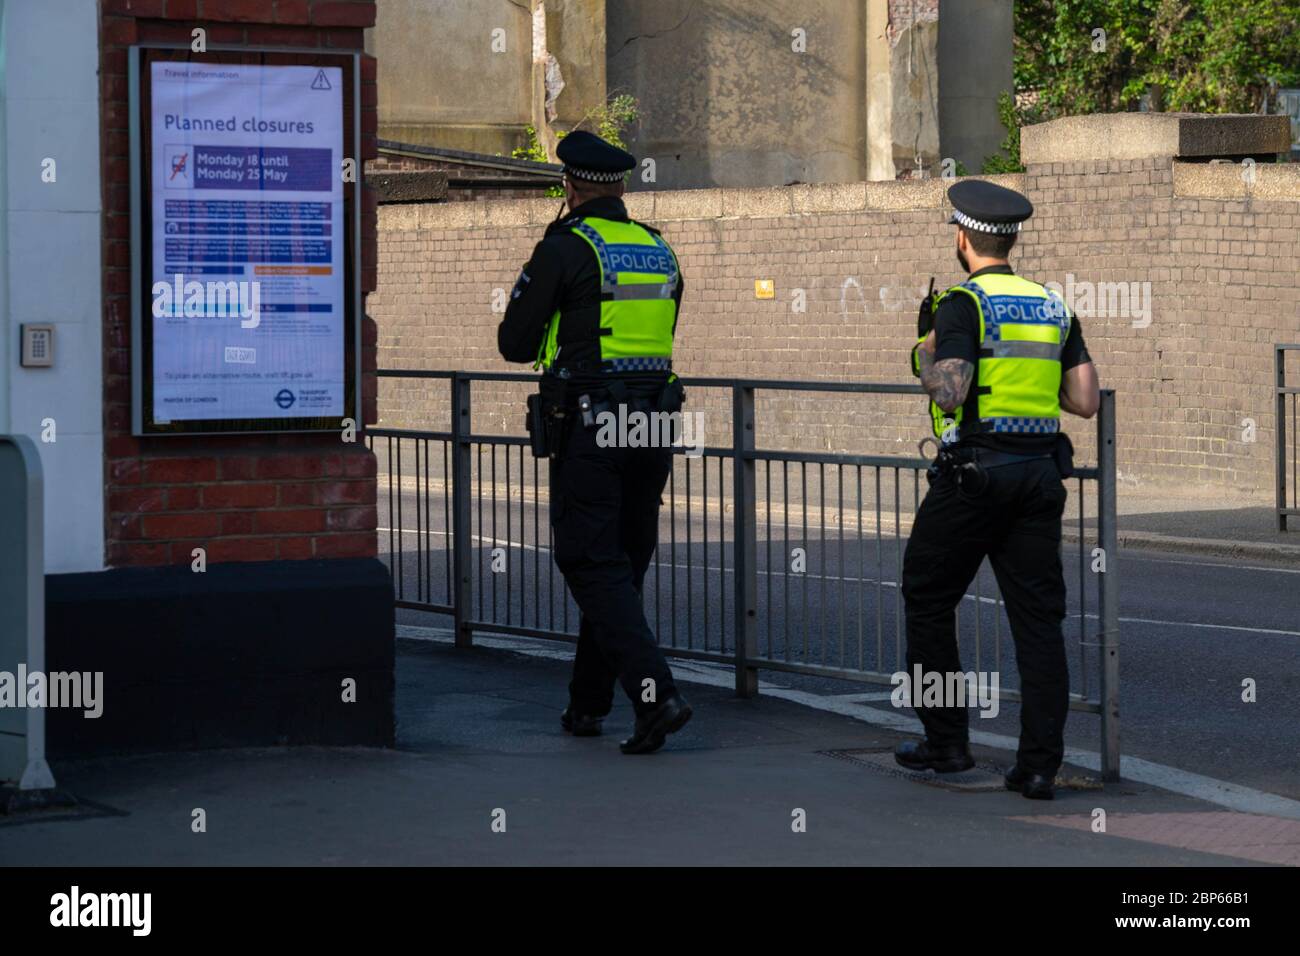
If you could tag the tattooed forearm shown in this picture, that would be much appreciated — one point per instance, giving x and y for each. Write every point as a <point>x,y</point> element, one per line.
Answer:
<point>947,381</point>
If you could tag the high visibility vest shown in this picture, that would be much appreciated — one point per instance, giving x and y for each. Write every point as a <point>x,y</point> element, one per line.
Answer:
<point>1023,327</point>
<point>638,311</point>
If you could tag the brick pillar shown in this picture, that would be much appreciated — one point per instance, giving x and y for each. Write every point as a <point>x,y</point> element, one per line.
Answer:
<point>242,498</point>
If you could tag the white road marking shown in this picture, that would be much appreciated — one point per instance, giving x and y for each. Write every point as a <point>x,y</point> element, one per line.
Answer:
<point>1198,786</point>
<point>1211,564</point>
<point>849,579</point>
<point>1210,627</point>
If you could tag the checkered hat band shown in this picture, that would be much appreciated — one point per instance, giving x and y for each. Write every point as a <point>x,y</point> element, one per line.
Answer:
<point>979,226</point>
<point>593,175</point>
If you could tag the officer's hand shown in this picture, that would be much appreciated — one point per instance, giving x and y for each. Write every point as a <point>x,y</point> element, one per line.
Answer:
<point>929,343</point>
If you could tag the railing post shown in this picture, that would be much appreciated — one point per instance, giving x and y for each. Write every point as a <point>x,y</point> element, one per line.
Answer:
<point>1279,483</point>
<point>1108,533</point>
<point>462,542</point>
<point>745,535</point>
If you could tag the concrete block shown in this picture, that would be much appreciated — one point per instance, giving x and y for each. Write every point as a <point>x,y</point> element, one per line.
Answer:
<point>1277,182</point>
<point>1124,136</point>
<point>408,186</point>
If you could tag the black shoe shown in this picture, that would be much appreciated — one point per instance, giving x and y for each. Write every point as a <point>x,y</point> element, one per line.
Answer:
<point>580,725</point>
<point>651,729</point>
<point>1035,786</point>
<point>921,755</point>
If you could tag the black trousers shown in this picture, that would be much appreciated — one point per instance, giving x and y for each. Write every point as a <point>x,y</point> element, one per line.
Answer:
<point>1016,522</point>
<point>605,515</point>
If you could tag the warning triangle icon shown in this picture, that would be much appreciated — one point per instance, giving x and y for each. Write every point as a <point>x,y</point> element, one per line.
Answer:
<point>321,82</point>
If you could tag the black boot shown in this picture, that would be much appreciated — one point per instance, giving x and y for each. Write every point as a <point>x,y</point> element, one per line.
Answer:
<point>922,755</point>
<point>1035,786</point>
<point>651,728</point>
<point>580,725</point>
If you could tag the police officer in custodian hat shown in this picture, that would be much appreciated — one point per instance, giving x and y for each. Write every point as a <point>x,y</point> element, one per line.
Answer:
<point>1000,357</point>
<point>596,309</point>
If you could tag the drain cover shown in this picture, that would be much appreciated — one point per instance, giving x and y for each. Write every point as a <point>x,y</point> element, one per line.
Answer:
<point>982,778</point>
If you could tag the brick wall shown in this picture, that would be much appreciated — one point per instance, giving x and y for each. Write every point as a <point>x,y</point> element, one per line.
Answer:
<point>1222,271</point>
<point>1224,290</point>
<point>242,498</point>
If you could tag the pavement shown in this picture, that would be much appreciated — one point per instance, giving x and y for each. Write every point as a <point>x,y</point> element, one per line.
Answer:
<point>479,744</point>
<point>1200,524</point>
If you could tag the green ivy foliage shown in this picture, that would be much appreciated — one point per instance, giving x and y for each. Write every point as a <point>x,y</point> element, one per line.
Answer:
<point>1204,56</point>
<point>1108,56</point>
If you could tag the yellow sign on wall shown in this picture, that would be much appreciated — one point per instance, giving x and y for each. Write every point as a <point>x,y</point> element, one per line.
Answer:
<point>764,288</point>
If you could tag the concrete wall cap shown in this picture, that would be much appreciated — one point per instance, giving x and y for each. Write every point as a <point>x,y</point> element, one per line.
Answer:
<point>699,204</point>
<point>454,215</point>
<point>687,204</point>
<point>1266,182</point>
<point>403,217</point>
<point>519,212</point>
<point>828,197</point>
<point>762,203</point>
<point>640,206</point>
<point>1107,136</point>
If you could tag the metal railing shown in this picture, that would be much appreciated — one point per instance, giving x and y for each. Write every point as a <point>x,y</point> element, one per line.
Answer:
<point>767,560</point>
<point>1286,395</point>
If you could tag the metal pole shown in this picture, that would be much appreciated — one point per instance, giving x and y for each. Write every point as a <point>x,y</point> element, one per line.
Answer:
<point>1279,483</point>
<point>745,531</point>
<point>462,542</point>
<point>1108,609</point>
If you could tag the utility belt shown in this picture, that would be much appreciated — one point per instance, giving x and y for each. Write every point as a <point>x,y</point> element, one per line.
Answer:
<point>969,466</point>
<point>553,408</point>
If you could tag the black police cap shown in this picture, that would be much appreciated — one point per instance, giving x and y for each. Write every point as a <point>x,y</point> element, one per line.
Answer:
<point>987,207</point>
<point>587,156</point>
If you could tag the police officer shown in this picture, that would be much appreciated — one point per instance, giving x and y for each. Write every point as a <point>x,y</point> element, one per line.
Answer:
<point>1000,357</point>
<point>596,308</point>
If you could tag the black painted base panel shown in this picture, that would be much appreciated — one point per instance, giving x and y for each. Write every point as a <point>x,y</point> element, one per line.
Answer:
<point>247,654</point>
